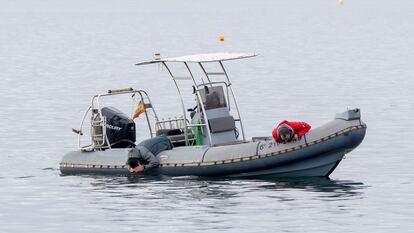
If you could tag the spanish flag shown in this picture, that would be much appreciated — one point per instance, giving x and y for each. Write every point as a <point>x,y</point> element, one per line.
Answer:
<point>140,109</point>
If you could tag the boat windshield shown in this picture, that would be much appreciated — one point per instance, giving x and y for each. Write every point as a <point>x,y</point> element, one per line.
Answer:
<point>213,97</point>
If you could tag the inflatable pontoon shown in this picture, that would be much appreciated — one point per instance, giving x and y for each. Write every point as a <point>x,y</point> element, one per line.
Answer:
<point>209,138</point>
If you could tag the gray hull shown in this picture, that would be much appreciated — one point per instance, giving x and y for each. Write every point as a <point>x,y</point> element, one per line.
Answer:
<point>316,154</point>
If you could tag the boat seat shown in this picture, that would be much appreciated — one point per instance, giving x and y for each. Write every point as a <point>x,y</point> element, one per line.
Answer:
<point>222,124</point>
<point>176,136</point>
<point>179,140</point>
<point>168,132</point>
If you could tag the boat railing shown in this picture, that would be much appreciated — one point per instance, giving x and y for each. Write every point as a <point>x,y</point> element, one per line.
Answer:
<point>176,123</point>
<point>99,139</point>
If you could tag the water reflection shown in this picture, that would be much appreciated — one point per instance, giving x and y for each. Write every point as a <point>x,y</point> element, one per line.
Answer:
<point>206,204</point>
<point>183,188</point>
<point>322,185</point>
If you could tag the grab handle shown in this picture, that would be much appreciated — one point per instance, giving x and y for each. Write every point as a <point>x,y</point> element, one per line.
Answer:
<point>120,90</point>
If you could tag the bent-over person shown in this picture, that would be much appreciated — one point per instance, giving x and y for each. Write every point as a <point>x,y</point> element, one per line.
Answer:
<point>288,131</point>
<point>144,156</point>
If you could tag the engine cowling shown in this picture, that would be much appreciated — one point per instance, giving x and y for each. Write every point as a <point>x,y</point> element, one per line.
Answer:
<point>120,129</point>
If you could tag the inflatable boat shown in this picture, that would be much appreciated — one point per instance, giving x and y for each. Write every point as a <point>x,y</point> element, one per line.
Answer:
<point>209,138</point>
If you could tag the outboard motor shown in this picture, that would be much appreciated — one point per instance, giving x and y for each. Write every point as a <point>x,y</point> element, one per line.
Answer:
<point>120,129</point>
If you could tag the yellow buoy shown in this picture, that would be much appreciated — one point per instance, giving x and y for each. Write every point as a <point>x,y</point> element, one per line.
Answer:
<point>341,2</point>
<point>221,38</point>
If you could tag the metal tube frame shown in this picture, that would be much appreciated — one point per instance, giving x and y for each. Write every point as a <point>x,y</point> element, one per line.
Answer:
<point>96,99</point>
<point>204,70</point>
<point>200,100</point>
<point>232,93</point>
<point>228,85</point>
<point>235,100</point>
<point>81,125</point>
<point>182,103</point>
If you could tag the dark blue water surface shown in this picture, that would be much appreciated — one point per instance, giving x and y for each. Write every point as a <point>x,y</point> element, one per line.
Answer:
<point>316,58</point>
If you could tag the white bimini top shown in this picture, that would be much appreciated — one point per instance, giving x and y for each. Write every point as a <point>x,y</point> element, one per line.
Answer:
<point>206,57</point>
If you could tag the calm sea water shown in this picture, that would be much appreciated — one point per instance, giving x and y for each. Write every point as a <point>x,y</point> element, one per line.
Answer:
<point>316,58</point>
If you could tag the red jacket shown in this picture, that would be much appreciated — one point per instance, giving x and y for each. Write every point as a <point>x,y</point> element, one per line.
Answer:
<point>299,128</point>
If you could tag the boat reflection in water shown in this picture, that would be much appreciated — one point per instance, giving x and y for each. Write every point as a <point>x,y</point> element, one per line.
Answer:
<point>185,188</point>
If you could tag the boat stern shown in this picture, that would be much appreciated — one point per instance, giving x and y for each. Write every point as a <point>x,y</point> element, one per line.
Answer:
<point>111,161</point>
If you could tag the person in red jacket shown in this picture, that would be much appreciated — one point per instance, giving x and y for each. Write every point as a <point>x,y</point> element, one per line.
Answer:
<point>287,131</point>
